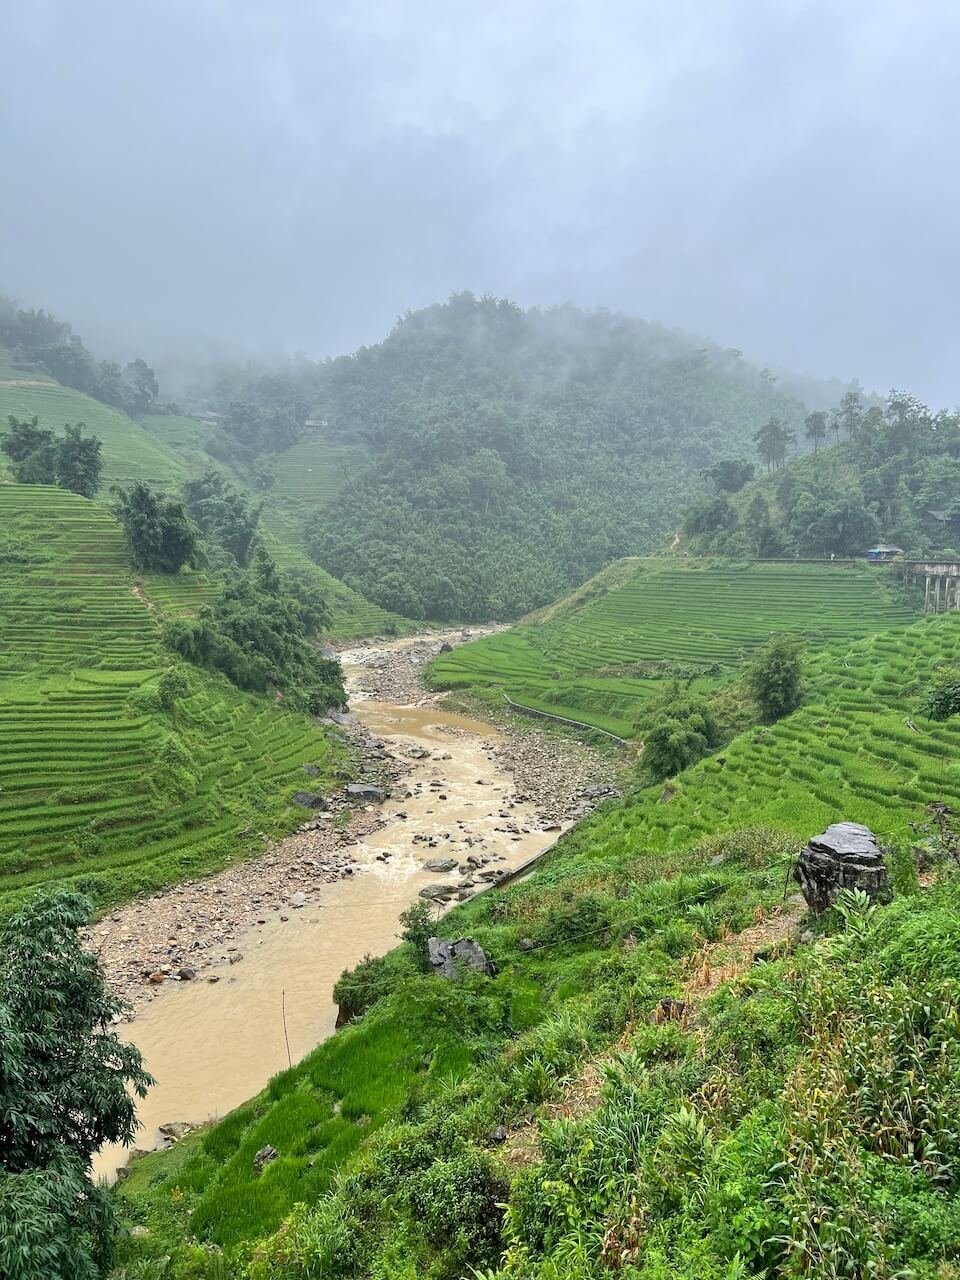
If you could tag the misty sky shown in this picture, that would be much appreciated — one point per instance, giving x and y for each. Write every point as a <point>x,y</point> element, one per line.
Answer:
<point>779,175</point>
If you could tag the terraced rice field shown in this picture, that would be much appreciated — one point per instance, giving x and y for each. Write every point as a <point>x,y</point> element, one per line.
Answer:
<point>308,476</point>
<point>129,453</point>
<point>182,435</point>
<point>856,751</point>
<point>97,782</point>
<point>590,660</point>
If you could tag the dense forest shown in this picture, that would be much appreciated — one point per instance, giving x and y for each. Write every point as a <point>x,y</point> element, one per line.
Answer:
<point>893,474</point>
<point>514,453</point>
<point>510,453</point>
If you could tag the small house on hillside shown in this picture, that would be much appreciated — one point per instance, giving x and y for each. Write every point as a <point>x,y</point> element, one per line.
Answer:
<point>883,553</point>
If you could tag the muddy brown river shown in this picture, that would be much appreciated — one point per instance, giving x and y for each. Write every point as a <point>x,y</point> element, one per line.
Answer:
<point>211,1046</point>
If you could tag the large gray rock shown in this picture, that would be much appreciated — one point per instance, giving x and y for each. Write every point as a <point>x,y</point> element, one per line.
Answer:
<point>266,1155</point>
<point>437,892</point>
<point>446,956</point>
<point>440,864</point>
<point>845,856</point>
<point>174,1130</point>
<point>366,791</point>
<point>309,800</point>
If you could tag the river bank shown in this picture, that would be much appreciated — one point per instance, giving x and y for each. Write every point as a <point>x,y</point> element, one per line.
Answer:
<point>231,978</point>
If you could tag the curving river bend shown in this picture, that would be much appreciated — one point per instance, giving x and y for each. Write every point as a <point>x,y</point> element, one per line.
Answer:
<point>213,1045</point>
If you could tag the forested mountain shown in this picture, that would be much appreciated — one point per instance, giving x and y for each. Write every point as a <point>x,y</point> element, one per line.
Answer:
<point>477,463</point>
<point>514,453</point>
<point>892,475</point>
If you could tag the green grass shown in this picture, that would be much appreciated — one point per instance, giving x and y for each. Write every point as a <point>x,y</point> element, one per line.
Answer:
<point>129,452</point>
<point>458,1057</point>
<point>181,435</point>
<point>856,750</point>
<point>96,779</point>
<point>585,947</point>
<point>592,657</point>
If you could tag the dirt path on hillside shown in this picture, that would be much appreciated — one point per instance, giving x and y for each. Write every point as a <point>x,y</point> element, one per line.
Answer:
<point>26,382</point>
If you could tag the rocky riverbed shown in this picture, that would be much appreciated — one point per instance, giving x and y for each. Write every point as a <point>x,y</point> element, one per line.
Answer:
<point>539,782</point>
<point>178,934</point>
<point>232,977</point>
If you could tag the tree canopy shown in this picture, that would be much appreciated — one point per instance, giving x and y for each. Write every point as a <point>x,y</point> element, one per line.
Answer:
<point>512,454</point>
<point>261,633</point>
<point>67,1086</point>
<point>775,677</point>
<point>73,461</point>
<point>223,513</point>
<point>159,532</point>
<point>895,477</point>
<point>42,340</point>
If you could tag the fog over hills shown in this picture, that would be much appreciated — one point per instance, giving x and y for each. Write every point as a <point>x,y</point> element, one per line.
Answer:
<point>294,175</point>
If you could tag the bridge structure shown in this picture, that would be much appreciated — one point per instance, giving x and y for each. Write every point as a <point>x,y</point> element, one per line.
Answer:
<point>941,583</point>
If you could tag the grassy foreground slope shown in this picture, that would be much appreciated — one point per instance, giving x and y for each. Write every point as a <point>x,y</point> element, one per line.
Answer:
<point>595,656</point>
<point>782,1127</point>
<point>98,780</point>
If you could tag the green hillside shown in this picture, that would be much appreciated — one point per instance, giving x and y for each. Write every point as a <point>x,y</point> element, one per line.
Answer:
<point>97,779</point>
<point>166,449</point>
<point>856,748</point>
<point>129,452</point>
<point>308,476</point>
<point>694,1140</point>
<point>597,656</point>
<point>507,454</point>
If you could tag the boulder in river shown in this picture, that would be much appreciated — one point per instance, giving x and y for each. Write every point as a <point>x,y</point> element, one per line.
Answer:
<point>440,865</point>
<point>845,856</point>
<point>446,956</point>
<point>437,892</point>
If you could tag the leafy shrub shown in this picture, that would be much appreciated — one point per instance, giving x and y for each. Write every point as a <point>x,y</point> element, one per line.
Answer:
<point>367,982</point>
<point>775,677</point>
<point>943,700</point>
<point>683,731</point>
<point>457,1203</point>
